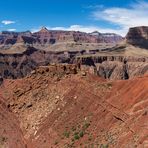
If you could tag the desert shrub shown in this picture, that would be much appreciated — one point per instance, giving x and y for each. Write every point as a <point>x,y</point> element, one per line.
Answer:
<point>66,134</point>
<point>81,134</point>
<point>76,137</point>
<point>104,146</point>
<point>86,125</point>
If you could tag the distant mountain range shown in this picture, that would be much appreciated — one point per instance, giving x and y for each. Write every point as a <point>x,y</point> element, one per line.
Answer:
<point>45,36</point>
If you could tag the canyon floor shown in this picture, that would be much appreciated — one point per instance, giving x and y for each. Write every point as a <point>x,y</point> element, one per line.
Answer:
<point>59,106</point>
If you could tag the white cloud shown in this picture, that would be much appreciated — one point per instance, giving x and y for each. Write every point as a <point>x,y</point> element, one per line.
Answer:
<point>35,29</point>
<point>7,22</point>
<point>81,28</point>
<point>11,29</point>
<point>93,6</point>
<point>124,18</point>
<point>135,15</point>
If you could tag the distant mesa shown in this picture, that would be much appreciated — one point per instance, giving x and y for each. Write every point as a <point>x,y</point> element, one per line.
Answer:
<point>96,33</point>
<point>44,29</point>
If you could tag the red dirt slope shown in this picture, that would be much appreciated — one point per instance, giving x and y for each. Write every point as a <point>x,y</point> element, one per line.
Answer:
<point>10,132</point>
<point>58,108</point>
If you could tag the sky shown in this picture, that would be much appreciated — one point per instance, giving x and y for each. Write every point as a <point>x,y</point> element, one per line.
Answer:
<point>114,16</point>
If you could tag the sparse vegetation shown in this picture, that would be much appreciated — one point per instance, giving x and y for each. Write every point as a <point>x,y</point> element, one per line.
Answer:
<point>105,85</point>
<point>104,146</point>
<point>86,125</point>
<point>77,131</point>
<point>76,136</point>
<point>109,85</point>
<point>73,128</point>
<point>2,139</point>
<point>81,134</point>
<point>89,138</point>
<point>66,134</point>
<point>56,142</point>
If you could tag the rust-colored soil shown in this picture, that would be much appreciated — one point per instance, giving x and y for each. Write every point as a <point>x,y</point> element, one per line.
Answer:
<point>60,107</point>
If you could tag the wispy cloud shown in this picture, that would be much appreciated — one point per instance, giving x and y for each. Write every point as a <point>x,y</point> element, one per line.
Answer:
<point>81,28</point>
<point>11,29</point>
<point>7,22</point>
<point>93,6</point>
<point>124,18</point>
<point>135,15</point>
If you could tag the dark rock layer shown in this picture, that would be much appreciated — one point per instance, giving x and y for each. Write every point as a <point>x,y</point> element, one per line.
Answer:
<point>138,36</point>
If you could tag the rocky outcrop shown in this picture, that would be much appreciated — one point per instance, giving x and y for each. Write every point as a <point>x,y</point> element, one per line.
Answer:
<point>138,36</point>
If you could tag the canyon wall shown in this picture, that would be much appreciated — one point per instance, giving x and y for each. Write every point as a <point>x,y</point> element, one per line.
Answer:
<point>115,67</point>
<point>110,67</point>
<point>138,36</point>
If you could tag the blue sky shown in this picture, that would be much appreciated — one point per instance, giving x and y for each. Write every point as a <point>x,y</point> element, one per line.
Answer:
<point>83,15</point>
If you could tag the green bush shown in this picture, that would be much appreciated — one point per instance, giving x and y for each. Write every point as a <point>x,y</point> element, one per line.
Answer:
<point>76,137</point>
<point>66,134</point>
<point>81,134</point>
<point>104,146</point>
<point>86,125</point>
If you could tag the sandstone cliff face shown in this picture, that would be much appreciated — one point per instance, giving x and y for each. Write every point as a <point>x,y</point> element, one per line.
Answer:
<point>138,36</point>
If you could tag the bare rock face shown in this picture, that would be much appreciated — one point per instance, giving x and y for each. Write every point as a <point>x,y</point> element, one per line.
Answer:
<point>115,67</point>
<point>138,36</point>
<point>118,70</point>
